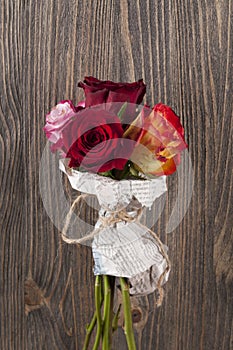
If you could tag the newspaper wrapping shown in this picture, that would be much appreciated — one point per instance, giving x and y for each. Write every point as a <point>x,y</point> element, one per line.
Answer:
<point>124,247</point>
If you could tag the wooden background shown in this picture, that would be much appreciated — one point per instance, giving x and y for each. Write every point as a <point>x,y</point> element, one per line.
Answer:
<point>183,51</point>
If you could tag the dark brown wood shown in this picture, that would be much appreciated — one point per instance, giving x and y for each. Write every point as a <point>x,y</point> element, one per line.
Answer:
<point>183,50</point>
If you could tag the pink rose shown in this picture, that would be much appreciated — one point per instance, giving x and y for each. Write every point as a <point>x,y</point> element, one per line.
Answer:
<point>59,117</point>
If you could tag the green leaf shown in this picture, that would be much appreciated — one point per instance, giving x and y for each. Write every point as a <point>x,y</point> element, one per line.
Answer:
<point>107,174</point>
<point>122,111</point>
<point>135,173</point>
<point>121,174</point>
<point>130,172</point>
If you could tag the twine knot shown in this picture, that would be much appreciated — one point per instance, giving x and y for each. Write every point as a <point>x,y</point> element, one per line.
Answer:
<point>109,218</point>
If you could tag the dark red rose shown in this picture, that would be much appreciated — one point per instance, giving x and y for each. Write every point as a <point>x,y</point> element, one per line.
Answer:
<point>98,91</point>
<point>93,141</point>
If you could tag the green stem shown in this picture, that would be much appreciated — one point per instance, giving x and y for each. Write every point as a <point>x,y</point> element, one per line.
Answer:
<point>116,319</point>
<point>112,281</point>
<point>98,297</point>
<point>128,325</point>
<point>90,328</point>
<point>89,331</point>
<point>107,314</point>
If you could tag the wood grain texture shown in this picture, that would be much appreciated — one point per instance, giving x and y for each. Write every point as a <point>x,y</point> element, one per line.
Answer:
<point>183,51</point>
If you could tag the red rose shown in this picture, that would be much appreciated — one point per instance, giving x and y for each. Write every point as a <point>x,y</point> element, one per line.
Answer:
<point>93,141</point>
<point>98,91</point>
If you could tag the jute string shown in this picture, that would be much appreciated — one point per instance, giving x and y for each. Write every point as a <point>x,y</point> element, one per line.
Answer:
<point>114,218</point>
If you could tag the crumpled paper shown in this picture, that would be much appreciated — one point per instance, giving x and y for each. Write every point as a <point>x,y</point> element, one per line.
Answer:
<point>124,248</point>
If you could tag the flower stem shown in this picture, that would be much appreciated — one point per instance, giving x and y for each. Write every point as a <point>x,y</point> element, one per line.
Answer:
<point>107,328</point>
<point>116,319</point>
<point>112,282</point>
<point>128,326</point>
<point>89,330</point>
<point>98,296</point>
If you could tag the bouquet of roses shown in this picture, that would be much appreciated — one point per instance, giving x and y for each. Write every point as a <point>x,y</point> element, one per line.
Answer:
<point>121,152</point>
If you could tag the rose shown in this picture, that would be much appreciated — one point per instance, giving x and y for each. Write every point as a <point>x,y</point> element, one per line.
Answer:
<point>160,140</point>
<point>93,141</point>
<point>56,120</point>
<point>98,91</point>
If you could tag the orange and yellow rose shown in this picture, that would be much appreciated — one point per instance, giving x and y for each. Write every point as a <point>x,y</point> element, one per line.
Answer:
<point>159,138</point>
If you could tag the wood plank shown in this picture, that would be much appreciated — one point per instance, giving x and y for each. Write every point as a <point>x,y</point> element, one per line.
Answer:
<point>183,51</point>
